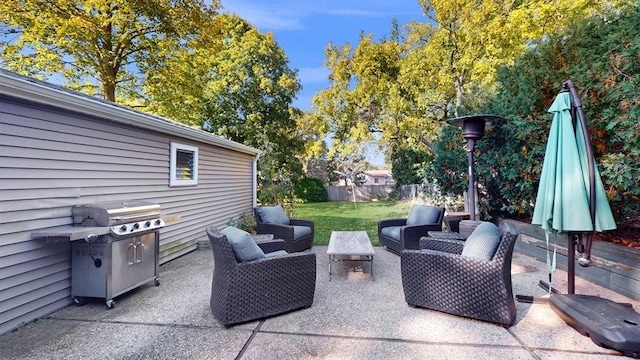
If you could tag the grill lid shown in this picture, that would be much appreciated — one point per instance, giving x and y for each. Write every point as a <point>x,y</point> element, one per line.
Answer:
<point>115,213</point>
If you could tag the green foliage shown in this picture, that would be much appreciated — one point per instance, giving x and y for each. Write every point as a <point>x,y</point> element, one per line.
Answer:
<point>403,86</point>
<point>504,172</point>
<point>311,190</point>
<point>610,83</point>
<point>99,46</point>
<point>248,96</point>
<point>449,166</point>
<point>599,55</point>
<point>408,165</point>
<point>275,186</point>
<point>470,38</point>
<point>246,221</point>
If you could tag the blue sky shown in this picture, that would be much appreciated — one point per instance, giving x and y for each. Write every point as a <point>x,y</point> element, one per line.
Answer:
<point>304,28</point>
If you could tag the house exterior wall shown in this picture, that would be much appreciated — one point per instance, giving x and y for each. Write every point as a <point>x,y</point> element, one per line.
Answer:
<point>52,159</point>
<point>378,177</point>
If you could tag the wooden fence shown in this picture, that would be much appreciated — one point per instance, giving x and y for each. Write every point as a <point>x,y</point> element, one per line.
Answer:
<point>371,192</point>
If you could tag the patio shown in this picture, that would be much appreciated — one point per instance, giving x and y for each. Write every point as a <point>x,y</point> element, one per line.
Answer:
<point>352,317</point>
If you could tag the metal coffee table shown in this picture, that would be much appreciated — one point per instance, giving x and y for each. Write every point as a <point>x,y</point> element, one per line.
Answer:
<point>350,246</point>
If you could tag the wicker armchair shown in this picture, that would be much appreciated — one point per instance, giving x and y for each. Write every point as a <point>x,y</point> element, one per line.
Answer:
<point>405,233</point>
<point>438,277</point>
<point>251,290</point>
<point>296,233</point>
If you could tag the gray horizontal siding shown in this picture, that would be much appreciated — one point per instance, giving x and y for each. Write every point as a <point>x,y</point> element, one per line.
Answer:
<point>51,160</point>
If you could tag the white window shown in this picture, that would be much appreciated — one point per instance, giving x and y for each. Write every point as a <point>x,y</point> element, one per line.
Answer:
<point>184,165</point>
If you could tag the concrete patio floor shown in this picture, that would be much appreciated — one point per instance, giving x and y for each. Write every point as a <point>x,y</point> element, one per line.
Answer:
<point>352,317</point>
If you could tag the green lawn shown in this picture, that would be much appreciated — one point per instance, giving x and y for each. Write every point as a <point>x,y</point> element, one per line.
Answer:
<point>348,216</point>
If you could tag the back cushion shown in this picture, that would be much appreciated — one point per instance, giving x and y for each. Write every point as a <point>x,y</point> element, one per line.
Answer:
<point>273,215</point>
<point>483,242</point>
<point>244,248</point>
<point>423,215</point>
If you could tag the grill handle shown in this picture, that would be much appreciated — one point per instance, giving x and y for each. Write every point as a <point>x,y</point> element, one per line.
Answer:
<point>131,259</point>
<point>119,219</point>
<point>141,257</point>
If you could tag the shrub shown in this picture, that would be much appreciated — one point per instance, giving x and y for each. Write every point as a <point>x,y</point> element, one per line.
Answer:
<point>244,221</point>
<point>312,190</point>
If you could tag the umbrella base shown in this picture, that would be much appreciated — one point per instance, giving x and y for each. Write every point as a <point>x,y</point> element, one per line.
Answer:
<point>609,324</point>
<point>534,299</point>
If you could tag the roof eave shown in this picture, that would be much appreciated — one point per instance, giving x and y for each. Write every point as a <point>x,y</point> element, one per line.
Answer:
<point>42,93</point>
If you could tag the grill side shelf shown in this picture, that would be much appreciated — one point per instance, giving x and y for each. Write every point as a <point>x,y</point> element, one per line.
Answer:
<point>70,233</point>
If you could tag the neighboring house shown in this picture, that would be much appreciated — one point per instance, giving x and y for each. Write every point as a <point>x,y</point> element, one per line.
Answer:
<point>378,177</point>
<point>60,148</point>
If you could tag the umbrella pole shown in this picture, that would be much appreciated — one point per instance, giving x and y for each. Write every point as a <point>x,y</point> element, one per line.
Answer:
<point>576,107</point>
<point>571,265</point>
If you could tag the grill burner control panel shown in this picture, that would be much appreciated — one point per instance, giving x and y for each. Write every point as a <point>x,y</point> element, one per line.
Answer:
<point>137,227</point>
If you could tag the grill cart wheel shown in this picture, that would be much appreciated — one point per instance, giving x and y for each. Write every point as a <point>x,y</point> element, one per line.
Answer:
<point>157,281</point>
<point>110,304</point>
<point>78,300</point>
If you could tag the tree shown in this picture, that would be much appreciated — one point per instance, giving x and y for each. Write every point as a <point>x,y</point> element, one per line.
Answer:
<point>313,130</point>
<point>472,38</point>
<point>599,55</point>
<point>99,46</point>
<point>408,166</point>
<point>242,91</point>
<point>369,99</point>
<point>350,167</point>
<point>449,168</point>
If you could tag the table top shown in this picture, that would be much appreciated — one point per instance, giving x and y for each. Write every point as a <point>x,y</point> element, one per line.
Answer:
<point>350,243</point>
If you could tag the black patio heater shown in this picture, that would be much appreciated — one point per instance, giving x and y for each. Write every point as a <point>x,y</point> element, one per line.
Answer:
<point>473,128</point>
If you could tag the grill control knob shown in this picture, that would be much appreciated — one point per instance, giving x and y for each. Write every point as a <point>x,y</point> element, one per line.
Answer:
<point>158,222</point>
<point>147,224</point>
<point>136,226</point>
<point>123,228</point>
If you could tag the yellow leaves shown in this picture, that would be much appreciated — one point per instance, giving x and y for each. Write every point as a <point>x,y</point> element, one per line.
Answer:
<point>102,38</point>
<point>314,149</point>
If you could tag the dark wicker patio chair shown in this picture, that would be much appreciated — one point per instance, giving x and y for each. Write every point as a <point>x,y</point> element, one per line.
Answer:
<point>405,233</point>
<point>439,277</point>
<point>245,291</point>
<point>296,233</point>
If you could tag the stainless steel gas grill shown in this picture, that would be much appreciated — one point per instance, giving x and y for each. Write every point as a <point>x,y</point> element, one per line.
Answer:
<point>121,255</point>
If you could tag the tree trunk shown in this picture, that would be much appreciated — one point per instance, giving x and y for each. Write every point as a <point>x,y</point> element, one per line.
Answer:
<point>459,85</point>
<point>109,88</point>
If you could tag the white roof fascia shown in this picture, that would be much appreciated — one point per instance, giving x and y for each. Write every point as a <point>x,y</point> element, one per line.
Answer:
<point>24,88</point>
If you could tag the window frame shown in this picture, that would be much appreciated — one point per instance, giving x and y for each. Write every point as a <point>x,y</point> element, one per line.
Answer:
<point>173,180</point>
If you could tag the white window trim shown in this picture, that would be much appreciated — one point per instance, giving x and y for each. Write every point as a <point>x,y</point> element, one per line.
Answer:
<point>173,181</point>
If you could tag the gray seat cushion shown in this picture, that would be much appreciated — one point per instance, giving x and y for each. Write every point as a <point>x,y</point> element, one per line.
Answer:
<point>483,242</point>
<point>423,215</point>
<point>391,232</point>
<point>242,244</point>
<point>273,215</point>
<point>300,231</point>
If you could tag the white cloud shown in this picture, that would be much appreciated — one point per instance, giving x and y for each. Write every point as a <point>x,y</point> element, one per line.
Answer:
<point>266,15</point>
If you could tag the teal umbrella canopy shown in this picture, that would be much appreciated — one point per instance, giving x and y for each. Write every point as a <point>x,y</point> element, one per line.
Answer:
<point>562,203</point>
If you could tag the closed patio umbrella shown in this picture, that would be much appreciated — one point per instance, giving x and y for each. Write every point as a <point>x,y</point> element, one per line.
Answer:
<point>571,198</point>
